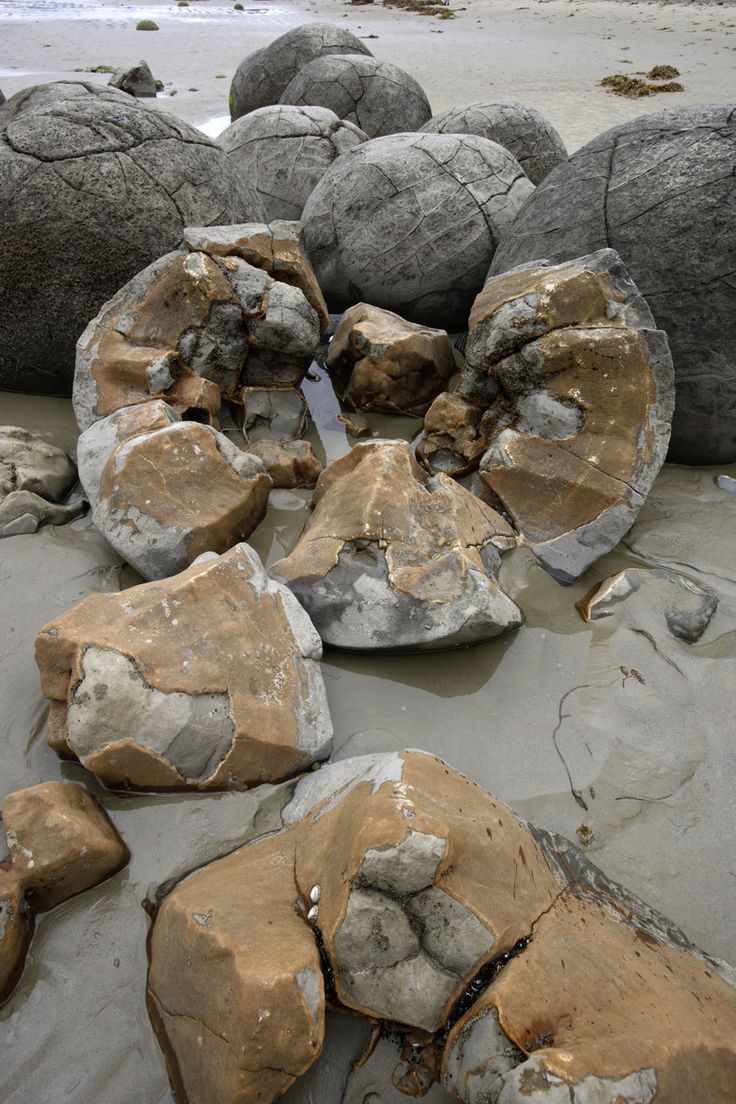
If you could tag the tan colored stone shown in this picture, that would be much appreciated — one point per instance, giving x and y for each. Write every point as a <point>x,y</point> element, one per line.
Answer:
<point>452,439</point>
<point>379,361</point>
<point>289,463</point>
<point>392,558</point>
<point>60,843</point>
<point>28,463</point>
<point>207,681</point>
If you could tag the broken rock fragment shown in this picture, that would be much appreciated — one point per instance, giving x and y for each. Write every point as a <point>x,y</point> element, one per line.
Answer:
<point>392,559</point>
<point>206,681</point>
<point>35,478</point>
<point>685,606</point>
<point>378,361</point>
<point>59,844</point>
<point>271,413</point>
<point>289,463</point>
<point>399,890</point>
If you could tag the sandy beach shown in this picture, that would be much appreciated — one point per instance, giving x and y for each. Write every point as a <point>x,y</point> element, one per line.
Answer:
<point>535,718</point>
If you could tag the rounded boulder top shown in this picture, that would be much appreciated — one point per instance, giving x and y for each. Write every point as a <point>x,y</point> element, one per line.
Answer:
<point>378,97</point>
<point>520,129</point>
<point>95,186</point>
<point>282,152</point>
<point>261,77</point>
<point>660,190</point>
<point>410,222</point>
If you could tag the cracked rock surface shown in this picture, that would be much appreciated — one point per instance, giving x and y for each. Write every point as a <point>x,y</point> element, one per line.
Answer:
<point>59,843</point>
<point>35,478</point>
<point>520,129</point>
<point>379,361</point>
<point>574,386</point>
<point>655,189</point>
<point>261,77</point>
<point>209,680</point>
<point>283,151</point>
<point>289,463</point>
<point>97,185</point>
<point>238,305</point>
<point>400,890</point>
<point>392,559</point>
<point>410,222</point>
<point>376,96</point>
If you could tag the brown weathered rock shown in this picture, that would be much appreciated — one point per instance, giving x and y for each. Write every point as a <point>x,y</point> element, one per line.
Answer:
<point>200,323</point>
<point>576,385</point>
<point>393,559</point>
<point>206,681</point>
<point>459,927</point>
<point>289,463</point>
<point>452,439</point>
<point>59,844</point>
<point>379,361</point>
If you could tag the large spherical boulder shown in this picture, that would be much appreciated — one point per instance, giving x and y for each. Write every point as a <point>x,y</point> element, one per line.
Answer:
<point>94,187</point>
<point>661,190</point>
<point>520,129</point>
<point>262,76</point>
<point>378,97</point>
<point>282,152</point>
<point>409,222</point>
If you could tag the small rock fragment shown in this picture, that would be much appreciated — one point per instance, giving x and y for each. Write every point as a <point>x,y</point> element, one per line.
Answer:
<point>270,413</point>
<point>687,607</point>
<point>289,463</point>
<point>726,483</point>
<point>137,81</point>
<point>28,463</point>
<point>25,512</point>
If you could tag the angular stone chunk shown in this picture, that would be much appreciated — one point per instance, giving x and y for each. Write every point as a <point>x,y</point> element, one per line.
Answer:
<point>279,414</point>
<point>409,222</point>
<point>205,681</point>
<point>376,96</point>
<point>169,495</point>
<point>453,439</point>
<point>263,75</point>
<point>60,843</point>
<point>392,559</point>
<point>686,607</point>
<point>289,463</point>
<point>284,150</point>
<point>28,463</point>
<point>379,361</point>
<point>137,81</point>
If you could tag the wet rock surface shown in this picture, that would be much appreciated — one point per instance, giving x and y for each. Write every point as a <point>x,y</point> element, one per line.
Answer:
<point>687,608</point>
<point>97,186</point>
<point>392,560</point>
<point>261,77</point>
<point>59,843</point>
<point>207,680</point>
<point>381,877</point>
<point>520,129</point>
<point>655,189</point>
<point>457,193</point>
<point>284,151</point>
<point>376,96</point>
<point>289,463</point>
<point>379,361</point>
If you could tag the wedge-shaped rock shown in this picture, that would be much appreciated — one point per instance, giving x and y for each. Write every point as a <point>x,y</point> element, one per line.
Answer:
<point>59,844</point>
<point>209,680</point>
<point>289,463</point>
<point>233,307</point>
<point>378,361</point>
<point>166,496</point>
<point>458,926</point>
<point>577,390</point>
<point>392,559</point>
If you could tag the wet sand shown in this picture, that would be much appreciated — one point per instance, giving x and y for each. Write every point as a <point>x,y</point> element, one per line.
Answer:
<point>547,719</point>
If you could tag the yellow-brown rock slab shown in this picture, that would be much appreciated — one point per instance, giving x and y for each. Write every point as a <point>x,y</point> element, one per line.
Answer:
<point>289,463</point>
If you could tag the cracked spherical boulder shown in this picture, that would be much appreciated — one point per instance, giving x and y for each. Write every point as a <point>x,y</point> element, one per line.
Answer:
<point>409,222</point>
<point>520,129</point>
<point>283,151</point>
<point>393,560</point>
<point>376,96</point>
<point>237,305</point>
<point>168,494</point>
<point>96,186</point>
<point>659,190</point>
<point>576,389</point>
<point>262,76</point>
<point>207,681</point>
<point>379,361</point>
<point>401,891</point>
<point>59,843</point>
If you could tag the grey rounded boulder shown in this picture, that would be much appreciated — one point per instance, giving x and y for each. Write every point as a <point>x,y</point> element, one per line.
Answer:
<point>262,76</point>
<point>282,152</point>
<point>520,129</point>
<point>660,190</point>
<point>378,97</point>
<point>410,222</point>
<point>94,186</point>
